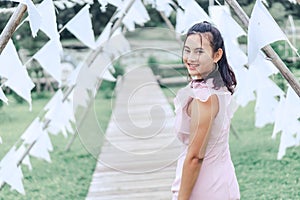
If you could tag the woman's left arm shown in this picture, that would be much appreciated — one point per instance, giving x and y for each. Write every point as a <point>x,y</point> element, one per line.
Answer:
<point>202,115</point>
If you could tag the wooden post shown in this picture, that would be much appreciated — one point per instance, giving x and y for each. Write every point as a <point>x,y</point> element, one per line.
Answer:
<point>268,50</point>
<point>11,25</point>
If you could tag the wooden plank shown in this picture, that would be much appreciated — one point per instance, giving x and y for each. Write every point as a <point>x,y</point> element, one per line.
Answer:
<point>139,155</point>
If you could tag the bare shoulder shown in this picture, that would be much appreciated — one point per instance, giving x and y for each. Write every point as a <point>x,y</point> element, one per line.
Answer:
<point>210,106</point>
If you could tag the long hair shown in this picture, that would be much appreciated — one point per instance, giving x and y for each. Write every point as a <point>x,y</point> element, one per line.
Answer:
<point>216,42</point>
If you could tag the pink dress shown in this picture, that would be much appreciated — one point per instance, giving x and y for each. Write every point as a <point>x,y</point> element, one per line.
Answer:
<point>217,179</point>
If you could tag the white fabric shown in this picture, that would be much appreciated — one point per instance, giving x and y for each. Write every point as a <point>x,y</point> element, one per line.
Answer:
<point>104,35</point>
<point>103,3</point>
<point>245,89</point>
<point>26,161</point>
<point>49,25</point>
<point>265,67</point>
<point>42,147</point>
<point>10,173</point>
<point>192,14</point>
<point>262,30</point>
<point>49,58</point>
<point>81,27</point>
<point>266,91</point>
<point>17,77</point>
<point>228,27</point>
<point>60,114</point>
<point>164,6</point>
<point>35,19</point>
<point>287,116</point>
<point>3,97</point>
<point>137,14</point>
<point>34,130</point>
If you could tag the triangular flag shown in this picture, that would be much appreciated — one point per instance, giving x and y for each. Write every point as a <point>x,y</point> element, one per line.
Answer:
<point>10,173</point>
<point>104,35</point>
<point>2,96</point>
<point>164,6</point>
<point>35,19</point>
<point>17,76</point>
<point>49,25</point>
<point>49,58</point>
<point>20,153</point>
<point>81,27</point>
<point>192,14</point>
<point>136,14</point>
<point>34,130</point>
<point>42,147</point>
<point>228,27</point>
<point>60,114</point>
<point>262,30</point>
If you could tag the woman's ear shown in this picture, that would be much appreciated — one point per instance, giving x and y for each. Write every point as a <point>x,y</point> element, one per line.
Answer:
<point>218,55</point>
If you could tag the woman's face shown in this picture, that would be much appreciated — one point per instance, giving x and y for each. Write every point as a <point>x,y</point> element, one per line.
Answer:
<point>198,56</point>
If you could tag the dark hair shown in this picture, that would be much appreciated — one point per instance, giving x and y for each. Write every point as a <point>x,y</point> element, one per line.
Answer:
<point>216,42</point>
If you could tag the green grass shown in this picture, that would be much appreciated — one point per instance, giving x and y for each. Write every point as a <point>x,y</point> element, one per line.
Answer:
<point>69,174</point>
<point>259,173</point>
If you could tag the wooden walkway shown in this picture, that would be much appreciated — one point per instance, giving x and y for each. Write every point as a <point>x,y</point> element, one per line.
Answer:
<point>139,155</point>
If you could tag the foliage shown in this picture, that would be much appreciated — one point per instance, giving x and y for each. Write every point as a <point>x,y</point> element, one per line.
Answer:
<point>153,64</point>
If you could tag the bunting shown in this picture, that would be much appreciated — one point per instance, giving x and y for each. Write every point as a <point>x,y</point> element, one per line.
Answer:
<point>81,27</point>
<point>10,173</point>
<point>16,74</point>
<point>49,58</point>
<point>262,30</point>
<point>35,19</point>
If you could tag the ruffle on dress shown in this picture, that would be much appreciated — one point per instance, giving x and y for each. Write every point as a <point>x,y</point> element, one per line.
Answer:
<point>194,90</point>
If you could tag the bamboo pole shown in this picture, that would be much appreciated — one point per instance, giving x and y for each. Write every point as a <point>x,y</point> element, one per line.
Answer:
<point>11,25</point>
<point>268,50</point>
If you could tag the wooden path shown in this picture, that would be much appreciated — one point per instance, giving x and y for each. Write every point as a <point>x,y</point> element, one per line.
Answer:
<point>139,155</point>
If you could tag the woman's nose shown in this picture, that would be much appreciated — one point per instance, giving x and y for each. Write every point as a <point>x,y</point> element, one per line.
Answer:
<point>192,56</point>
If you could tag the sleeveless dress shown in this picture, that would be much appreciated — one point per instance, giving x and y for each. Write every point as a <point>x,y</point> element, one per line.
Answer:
<point>217,179</point>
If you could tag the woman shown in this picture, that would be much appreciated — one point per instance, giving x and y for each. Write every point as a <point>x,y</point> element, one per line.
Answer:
<point>204,169</point>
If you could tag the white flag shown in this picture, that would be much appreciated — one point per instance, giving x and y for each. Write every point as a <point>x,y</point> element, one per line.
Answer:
<point>192,14</point>
<point>262,30</point>
<point>49,25</point>
<point>34,130</point>
<point>35,19</point>
<point>20,153</point>
<point>104,35</point>
<point>10,173</point>
<point>2,96</point>
<point>136,14</point>
<point>42,147</point>
<point>12,69</point>
<point>49,58</point>
<point>228,27</point>
<point>81,27</point>
<point>60,114</point>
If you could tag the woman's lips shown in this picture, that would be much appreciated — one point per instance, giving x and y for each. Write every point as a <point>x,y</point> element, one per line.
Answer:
<point>193,66</point>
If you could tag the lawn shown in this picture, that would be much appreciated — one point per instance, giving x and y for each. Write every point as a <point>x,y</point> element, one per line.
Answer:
<point>68,175</point>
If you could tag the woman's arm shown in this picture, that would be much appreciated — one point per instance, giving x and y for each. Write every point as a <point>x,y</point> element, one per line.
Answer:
<point>202,115</point>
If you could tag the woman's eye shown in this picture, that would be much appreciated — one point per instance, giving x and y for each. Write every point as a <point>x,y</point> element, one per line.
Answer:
<point>199,51</point>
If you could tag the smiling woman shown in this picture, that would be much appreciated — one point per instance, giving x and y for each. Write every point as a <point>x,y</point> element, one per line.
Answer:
<point>204,169</point>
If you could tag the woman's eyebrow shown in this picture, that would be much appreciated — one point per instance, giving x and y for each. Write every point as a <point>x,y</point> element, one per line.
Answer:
<point>186,47</point>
